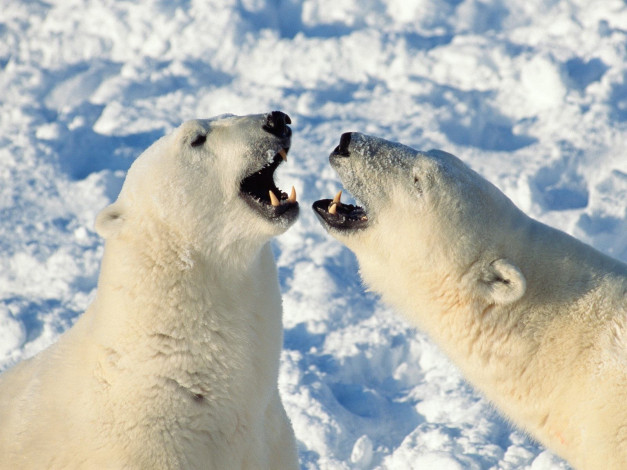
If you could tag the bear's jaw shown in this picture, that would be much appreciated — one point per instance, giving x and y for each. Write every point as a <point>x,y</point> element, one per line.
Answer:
<point>339,216</point>
<point>260,192</point>
<point>332,212</point>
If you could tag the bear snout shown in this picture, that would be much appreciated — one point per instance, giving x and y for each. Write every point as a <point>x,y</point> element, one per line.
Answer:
<point>276,124</point>
<point>342,149</point>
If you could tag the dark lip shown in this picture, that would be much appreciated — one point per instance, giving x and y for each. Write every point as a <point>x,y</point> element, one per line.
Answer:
<point>287,210</point>
<point>347,218</point>
<point>254,190</point>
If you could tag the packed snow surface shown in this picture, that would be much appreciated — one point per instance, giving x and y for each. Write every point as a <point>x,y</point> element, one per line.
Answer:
<point>531,94</point>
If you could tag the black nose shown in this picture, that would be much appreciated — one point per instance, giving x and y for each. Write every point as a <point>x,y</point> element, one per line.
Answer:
<point>276,124</point>
<point>342,149</point>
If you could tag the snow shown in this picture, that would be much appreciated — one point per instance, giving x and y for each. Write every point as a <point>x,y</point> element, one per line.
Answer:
<point>532,94</point>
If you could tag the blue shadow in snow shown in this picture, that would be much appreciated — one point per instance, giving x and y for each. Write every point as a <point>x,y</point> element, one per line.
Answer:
<point>582,73</point>
<point>481,126</point>
<point>82,151</point>
<point>598,224</point>
<point>558,186</point>
<point>86,151</point>
<point>618,100</point>
<point>31,314</point>
<point>376,411</point>
<point>360,401</point>
<point>486,134</point>
<point>298,338</point>
<point>422,42</point>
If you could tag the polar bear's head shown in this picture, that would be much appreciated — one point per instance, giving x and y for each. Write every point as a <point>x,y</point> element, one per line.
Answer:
<point>429,225</point>
<point>210,183</point>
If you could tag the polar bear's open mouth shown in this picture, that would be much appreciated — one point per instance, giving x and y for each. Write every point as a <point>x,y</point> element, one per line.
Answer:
<point>261,193</point>
<point>335,214</point>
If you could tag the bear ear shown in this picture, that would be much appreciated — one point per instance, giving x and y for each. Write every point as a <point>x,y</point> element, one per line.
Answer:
<point>109,221</point>
<point>503,282</point>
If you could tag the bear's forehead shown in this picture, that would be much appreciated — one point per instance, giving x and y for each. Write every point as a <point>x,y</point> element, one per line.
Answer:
<point>198,126</point>
<point>450,168</point>
<point>194,126</point>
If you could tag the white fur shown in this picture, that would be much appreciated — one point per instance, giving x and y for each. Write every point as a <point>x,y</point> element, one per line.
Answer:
<point>175,364</point>
<point>534,318</point>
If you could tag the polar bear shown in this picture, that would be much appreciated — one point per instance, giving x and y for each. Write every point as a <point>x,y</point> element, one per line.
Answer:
<point>175,363</point>
<point>534,318</point>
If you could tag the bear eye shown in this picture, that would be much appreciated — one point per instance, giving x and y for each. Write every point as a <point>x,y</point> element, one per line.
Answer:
<point>418,184</point>
<point>199,140</point>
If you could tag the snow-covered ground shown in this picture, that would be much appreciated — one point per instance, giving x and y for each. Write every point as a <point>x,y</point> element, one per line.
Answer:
<point>530,93</point>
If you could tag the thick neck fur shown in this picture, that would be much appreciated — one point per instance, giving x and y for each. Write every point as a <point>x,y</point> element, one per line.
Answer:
<point>440,287</point>
<point>509,351</point>
<point>191,310</point>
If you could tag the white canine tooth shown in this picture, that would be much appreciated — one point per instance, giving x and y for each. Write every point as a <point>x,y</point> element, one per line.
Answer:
<point>283,154</point>
<point>336,202</point>
<point>292,197</point>
<point>273,199</point>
